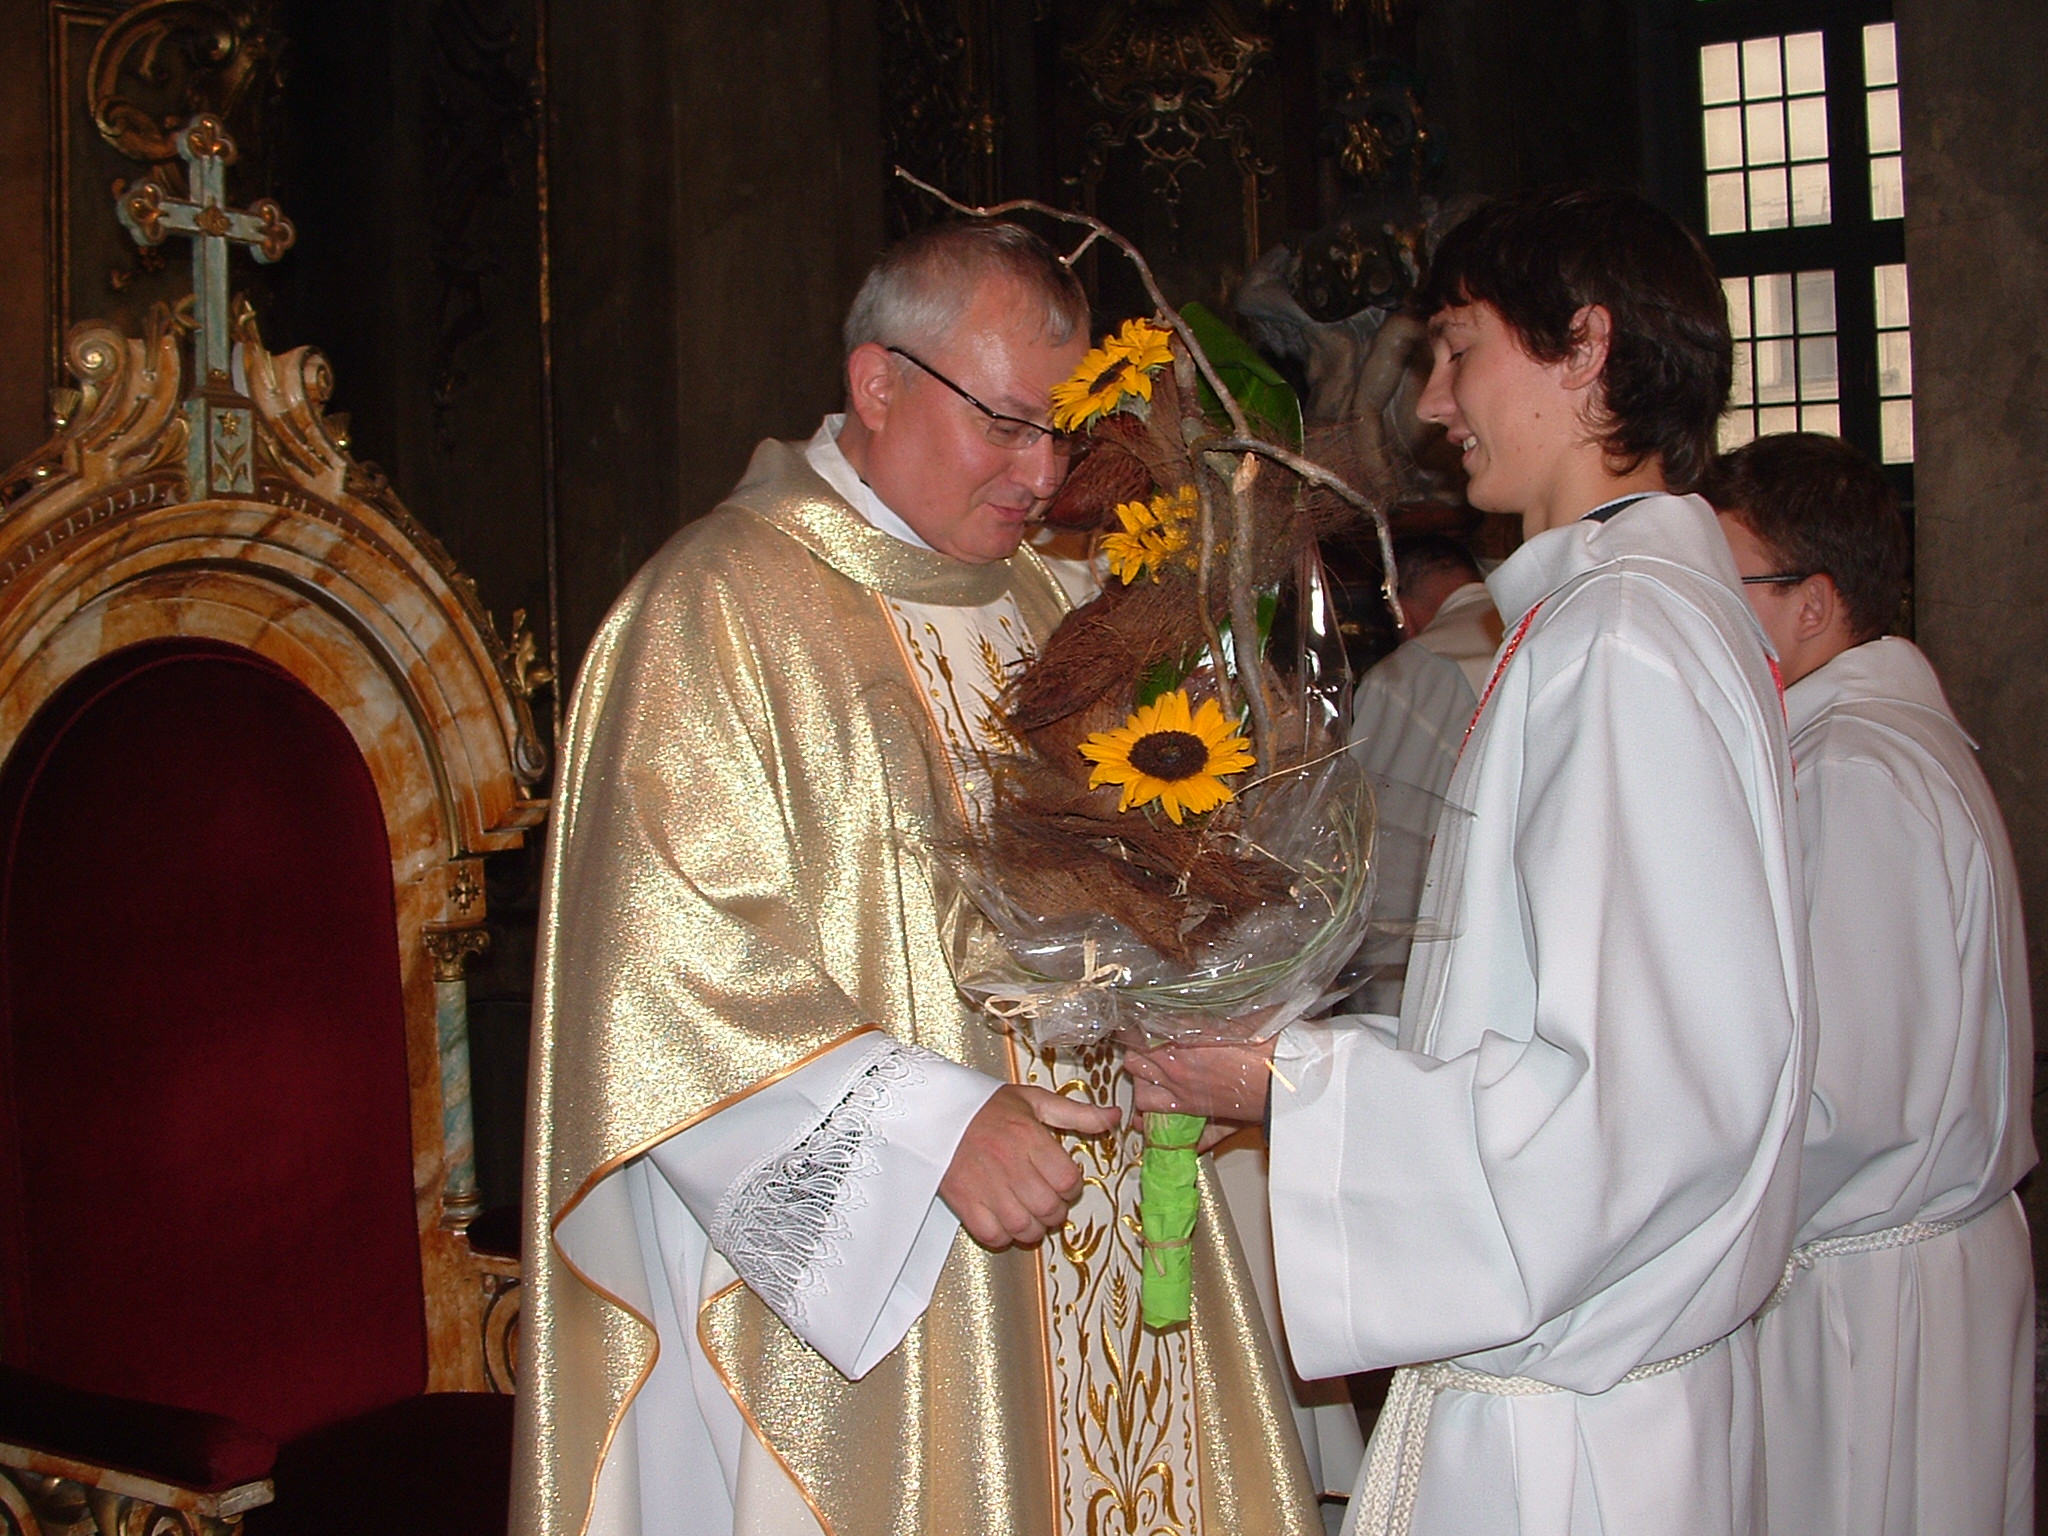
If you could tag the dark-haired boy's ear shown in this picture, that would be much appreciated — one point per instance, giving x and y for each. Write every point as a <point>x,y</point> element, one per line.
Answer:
<point>1820,606</point>
<point>1592,333</point>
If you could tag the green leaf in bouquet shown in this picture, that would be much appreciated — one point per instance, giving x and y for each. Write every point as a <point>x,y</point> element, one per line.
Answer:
<point>1162,677</point>
<point>1268,400</point>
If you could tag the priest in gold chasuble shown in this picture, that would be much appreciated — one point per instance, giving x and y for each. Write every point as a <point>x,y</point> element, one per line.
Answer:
<point>761,1113</point>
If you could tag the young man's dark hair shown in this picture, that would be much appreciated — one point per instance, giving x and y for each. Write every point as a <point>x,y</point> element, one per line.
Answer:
<point>1824,509</point>
<point>1539,258</point>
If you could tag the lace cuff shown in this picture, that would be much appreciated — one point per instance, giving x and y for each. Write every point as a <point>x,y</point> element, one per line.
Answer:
<point>783,1222</point>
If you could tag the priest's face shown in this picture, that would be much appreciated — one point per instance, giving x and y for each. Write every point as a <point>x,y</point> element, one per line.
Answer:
<point>925,450</point>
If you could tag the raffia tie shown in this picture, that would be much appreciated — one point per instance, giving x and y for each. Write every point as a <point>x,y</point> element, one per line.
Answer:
<point>1093,978</point>
<point>1385,1503</point>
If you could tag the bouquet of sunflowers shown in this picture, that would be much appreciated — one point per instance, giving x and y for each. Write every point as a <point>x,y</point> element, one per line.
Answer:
<point>1182,845</point>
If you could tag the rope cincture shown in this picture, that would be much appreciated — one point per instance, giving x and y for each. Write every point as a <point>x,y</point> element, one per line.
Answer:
<point>1385,1503</point>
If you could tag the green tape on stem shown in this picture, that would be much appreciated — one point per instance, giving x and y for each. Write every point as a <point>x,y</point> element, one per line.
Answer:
<point>1167,1203</point>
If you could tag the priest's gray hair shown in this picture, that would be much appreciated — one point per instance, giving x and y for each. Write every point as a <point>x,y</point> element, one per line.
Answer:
<point>917,292</point>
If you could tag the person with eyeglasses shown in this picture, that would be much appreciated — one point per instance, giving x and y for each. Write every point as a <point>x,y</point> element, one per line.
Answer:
<point>1898,1366</point>
<point>762,1114</point>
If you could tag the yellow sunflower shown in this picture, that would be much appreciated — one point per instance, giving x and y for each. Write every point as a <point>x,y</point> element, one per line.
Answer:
<point>1146,349</point>
<point>1153,533</point>
<point>1122,365</point>
<point>1168,753</point>
<point>1096,386</point>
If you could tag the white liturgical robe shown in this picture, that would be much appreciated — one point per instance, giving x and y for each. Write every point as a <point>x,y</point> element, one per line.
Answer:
<point>1580,1157</point>
<point>1898,1381</point>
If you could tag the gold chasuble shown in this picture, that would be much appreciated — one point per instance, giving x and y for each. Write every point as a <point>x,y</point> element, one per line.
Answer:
<point>781,717</point>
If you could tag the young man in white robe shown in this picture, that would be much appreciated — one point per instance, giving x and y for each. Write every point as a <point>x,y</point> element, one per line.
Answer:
<point>1566,1180</point>
<point>1898,1366</point>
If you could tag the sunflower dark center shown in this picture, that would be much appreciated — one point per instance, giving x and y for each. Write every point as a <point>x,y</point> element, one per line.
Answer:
<point>1170,755</point>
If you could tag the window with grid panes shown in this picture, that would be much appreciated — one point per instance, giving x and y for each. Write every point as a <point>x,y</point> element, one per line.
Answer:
<point>1798,184</point>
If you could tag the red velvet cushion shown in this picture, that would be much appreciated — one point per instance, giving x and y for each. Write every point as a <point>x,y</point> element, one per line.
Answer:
<point>209,1195</point>
<point>172,1445</point>
<point>433,1466</point>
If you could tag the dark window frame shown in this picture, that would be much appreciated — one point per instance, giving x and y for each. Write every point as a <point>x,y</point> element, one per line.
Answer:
<point>1851,244</point>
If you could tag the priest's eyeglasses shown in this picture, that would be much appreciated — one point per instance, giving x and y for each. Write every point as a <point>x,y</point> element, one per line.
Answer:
<point>1781,579</point>
<point>1002,431</point>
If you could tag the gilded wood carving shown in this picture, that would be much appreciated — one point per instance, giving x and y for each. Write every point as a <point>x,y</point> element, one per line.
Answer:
<point>314,563</point>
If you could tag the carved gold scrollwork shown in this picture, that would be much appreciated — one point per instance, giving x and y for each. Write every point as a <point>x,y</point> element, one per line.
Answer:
<point>1384,128</point>
<point>144,205</point>
<point>35,1503</point>
<point>526,674</point>
<point>501,1331</point>
<point>188,56</point>
<point>1164,72</point>
<point>16,1518</point>
<point>1186,49</point>
<point>278,233</point>
<point>452,949</point>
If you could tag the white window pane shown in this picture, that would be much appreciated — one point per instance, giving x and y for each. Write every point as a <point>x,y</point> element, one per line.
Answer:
<point>1737,428</point>
<point>1894,363</point>
<point>1880,55</point>
<point>1736,291</point>
<point>1817,373</point>
<point>1770,203</point>
<point>1741,391</point>
<point>1893,311</point>
<point>1895,431</point>
<point>1761,76</point>
<point>1816,291</point>
<point>1725,205</point>
<point>1807,128</point>
<point>1774,304</point>
<point>1806,65</point>
<point>1724,138</point>
<point>1821,418</point>
<point>1779,418</point>
<point>1883,113</point>
<point>1776,381</point>
<point>1720,73</point>
<point>1811,202</point>
<point>1887,188</point>
<point>1766,125</point>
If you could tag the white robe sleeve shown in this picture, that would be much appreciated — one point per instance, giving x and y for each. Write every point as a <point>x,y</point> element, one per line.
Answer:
<point>821,1190</point>
<point>1593,1155</point>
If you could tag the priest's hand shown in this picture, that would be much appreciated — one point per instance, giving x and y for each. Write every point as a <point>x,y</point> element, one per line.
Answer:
<point>1224,1082</point>
<point>1010,1180</point>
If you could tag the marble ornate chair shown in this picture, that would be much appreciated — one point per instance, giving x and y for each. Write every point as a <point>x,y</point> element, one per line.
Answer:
<point>256,733</point>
